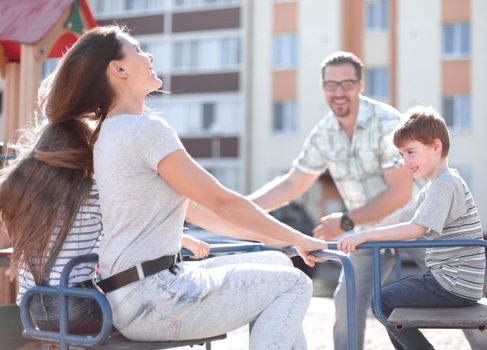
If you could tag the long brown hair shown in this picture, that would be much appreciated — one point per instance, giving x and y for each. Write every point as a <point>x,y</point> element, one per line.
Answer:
<point>42,191</point>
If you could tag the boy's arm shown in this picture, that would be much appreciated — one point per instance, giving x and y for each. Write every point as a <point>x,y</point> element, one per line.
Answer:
<point>397,232</point>
<point>393,219</point>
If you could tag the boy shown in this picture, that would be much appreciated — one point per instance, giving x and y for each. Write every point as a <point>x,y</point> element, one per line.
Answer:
<point>444,209</point>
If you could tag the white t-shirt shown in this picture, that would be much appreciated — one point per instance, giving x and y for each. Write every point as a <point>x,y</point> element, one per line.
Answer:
<point>143,216</point>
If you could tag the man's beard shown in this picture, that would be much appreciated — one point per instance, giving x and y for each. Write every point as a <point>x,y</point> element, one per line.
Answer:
<point>341,111</point>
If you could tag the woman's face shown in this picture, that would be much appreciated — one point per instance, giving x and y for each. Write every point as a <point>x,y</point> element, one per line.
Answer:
<point>137,66</point>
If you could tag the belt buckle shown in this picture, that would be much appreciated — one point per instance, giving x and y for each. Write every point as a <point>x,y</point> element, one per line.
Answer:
<point>95,281</point>
<point>140,271</point>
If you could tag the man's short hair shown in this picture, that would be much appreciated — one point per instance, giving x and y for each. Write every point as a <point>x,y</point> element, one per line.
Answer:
<point>339,58</point>
<point>423,124</point>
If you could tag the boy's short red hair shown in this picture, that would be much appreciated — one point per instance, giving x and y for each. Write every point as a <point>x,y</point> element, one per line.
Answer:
<point>423,124</point>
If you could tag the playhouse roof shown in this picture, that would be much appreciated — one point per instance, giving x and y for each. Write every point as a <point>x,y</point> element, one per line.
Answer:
<point>27,21</point>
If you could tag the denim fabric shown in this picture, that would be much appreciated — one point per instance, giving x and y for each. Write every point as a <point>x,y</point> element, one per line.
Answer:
<point>420,290</point>
<point>84,314</point>
<point>215,296</point>
<point>363,271</point>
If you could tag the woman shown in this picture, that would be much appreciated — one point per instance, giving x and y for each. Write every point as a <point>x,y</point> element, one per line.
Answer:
<point>50,207</point>
<point>145,179</point>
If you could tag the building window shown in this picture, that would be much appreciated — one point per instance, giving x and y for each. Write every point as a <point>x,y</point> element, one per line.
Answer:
<point>122,8</point>
<point>204,3</point>
<point>456,40</point>
<point>285,51</point>
<point>377,83</point>
<point>195,117</point>
<point>457,112</point>
<point>229,52</point>
<point>377,15</point>
<point>131,5</point>
<point>208,116</point>
<point>226,175</point>
<point>284,117</point>
<point>207,54</point>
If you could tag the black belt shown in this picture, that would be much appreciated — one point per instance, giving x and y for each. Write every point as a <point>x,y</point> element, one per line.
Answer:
<point>139,272</point>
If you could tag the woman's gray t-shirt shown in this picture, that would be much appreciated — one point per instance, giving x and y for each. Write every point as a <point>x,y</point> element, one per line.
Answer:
<point>142,215</point>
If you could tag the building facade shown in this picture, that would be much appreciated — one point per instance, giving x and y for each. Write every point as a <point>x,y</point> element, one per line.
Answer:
<point>242,80</point>
<point>197,47</point>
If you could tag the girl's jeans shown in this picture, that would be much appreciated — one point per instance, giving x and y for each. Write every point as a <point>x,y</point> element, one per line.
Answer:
<point>84,314</point>
<point>420,290</point>
<point>215,296</point>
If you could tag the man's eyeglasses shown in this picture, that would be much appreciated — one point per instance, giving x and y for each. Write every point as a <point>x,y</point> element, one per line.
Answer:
<point>346,85</point>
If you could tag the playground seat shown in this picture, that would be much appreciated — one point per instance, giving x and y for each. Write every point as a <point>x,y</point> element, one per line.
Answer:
<point>110,339</point>
<point>107,339</point>
<point>474,317</point>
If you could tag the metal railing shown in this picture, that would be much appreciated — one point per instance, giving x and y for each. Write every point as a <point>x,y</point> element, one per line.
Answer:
<point>64,339</point>
<point>377,246</point>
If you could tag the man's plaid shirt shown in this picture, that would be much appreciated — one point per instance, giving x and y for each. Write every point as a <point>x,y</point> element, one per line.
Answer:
<point>356,166</point>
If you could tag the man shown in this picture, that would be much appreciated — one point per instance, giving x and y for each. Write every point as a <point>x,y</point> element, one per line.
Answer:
<point>354,142</point>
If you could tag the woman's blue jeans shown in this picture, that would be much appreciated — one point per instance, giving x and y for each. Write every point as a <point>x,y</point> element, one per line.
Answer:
<point>420,290</point>
<point>215,296</point>
<point>84,314</point>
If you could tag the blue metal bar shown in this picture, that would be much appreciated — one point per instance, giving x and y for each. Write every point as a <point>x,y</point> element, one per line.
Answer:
<point>327,254</point>
<point>350,284</point>
<point>398,266</point>
<point>348,271</point>
<point>377,287</point>
<point>65,339</point>
<point>231,248</point>
<point>5,157</point>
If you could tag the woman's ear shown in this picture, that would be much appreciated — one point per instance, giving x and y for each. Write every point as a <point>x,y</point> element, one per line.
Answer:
<point>116,70</point>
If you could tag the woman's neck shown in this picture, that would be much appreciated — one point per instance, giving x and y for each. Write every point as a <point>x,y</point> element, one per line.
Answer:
<point>127,104</point>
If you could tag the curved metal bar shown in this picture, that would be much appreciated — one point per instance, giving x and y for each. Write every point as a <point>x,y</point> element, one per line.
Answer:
<point>65,339</point>
<point>241,247</point>
<point>349,282</point>
<point>63,291</point>
<point>426,243</point>
<point>229,248</point>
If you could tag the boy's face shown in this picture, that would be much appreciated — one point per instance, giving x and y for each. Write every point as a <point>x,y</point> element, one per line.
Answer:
<point>422,160</point>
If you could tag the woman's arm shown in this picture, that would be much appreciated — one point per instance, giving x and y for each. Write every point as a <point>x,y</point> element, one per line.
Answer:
<point>183,174</point>
<point>201,216</point>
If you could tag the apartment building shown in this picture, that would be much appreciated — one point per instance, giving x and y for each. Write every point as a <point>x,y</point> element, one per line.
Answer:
<point>416,52</point>
<point>242,85</point>
<point>197,47</point>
